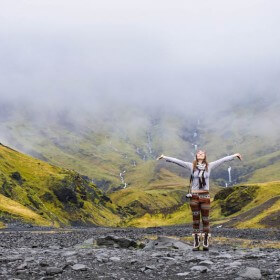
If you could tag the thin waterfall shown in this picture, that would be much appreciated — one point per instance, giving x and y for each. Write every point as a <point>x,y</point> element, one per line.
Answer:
<point>149,142</point>
<point>122,178</point>
<point>229,174</point>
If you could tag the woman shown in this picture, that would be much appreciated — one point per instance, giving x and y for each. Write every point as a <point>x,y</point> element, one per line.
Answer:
<point>200,197</point>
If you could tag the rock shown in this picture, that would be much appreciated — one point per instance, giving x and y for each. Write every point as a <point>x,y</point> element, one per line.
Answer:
<point>197,258</point>
<point>21,271</point>
<point>71,261</point>
<point>181,246</point>
<point>200,268</point>
<point>183,273</point>
<point>88,241</point>
<point>157,255</point>
<point>29,259</point>
<point>79,267</point>
<point>69,254</point>
<point>152,267</point>
<point>235,264</point>
<point>267,272</point>
<point>121,242</point>
<point>168,258</point>
<point>225,256</point>
<point>148,269</point>
<point>86,244</point>
<point>102,260</point>
<point>115,259</point>
<point>54,247</point>
<point>43,263</point>
<point>53,270</point>
<point>42,273</point>
<point>10,259</point>
<point>223,261</point>
<point>22,266</point>
<point>167,243</point>
<point>251,273</point>
<point>206,262</point>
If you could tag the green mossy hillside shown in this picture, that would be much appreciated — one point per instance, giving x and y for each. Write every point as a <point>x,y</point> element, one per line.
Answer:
<point>240,206</point>
<point>248,205</point>
<point>40,193</point>
<point>235,198</point>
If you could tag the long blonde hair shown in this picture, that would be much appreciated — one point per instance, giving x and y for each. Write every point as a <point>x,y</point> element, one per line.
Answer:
<point>204,161</point>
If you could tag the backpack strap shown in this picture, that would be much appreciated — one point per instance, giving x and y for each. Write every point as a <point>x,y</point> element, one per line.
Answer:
<point>191,179</point>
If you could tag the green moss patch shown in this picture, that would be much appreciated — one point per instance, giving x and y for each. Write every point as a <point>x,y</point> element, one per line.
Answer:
<point>236,198</point>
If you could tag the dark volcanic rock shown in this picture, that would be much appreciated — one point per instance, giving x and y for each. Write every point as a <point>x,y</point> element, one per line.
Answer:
<point>60,255</point>
<point>114,241</point>
<point>53,270</point>
<point>167,243</point>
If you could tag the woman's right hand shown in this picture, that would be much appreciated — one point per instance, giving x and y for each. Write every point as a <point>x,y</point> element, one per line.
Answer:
<point>160,157</point>
<point>238,156</point>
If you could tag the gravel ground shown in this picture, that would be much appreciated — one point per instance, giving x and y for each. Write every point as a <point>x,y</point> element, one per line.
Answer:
<point>160,253</point>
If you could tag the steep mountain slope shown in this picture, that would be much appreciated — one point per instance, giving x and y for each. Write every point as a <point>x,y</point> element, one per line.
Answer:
<point>34,191</point>
<point>118,151</point>
<point>114,158</point>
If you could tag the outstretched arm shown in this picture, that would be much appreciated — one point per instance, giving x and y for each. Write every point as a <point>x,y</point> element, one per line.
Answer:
<point>181,163</point>
<point>218,162</point>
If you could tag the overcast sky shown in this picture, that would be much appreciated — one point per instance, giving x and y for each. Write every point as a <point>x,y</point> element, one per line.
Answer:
<point>167,53</point>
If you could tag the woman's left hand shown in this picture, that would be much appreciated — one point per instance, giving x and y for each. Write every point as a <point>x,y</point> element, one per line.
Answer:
<point>239,156</point>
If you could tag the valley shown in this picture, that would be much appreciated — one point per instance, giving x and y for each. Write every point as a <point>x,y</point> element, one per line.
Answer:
<point>118,156</point>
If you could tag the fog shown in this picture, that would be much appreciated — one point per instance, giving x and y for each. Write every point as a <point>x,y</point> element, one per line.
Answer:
<point>180,55</point>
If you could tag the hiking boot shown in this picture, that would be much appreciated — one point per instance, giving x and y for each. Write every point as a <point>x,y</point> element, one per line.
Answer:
<point>206,236</point>
<point>196,241</point>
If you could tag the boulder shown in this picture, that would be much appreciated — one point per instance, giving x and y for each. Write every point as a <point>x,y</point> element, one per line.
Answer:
<point>167,243</point>
<point>114,241</point>
<point>251,273</point>
<point>79,267</point>
<point>53,270</point>
<point>200,268</point>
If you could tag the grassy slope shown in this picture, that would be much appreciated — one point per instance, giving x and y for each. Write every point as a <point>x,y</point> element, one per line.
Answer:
<point>103,157</point>
<point>264,192</point>
<point>164,198</point>
<point>26,198</point>
<point>104,152</point>
<point>16,209</point>
<point>182,215</point>
<point>158,190</point>
<point>266,168</point>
